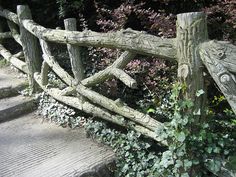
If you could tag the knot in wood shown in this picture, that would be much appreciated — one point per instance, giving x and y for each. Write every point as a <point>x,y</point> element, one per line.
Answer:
<point>183,71</point>
<point>224,78</point>
<point>75,82</point>
<point>221,55</point>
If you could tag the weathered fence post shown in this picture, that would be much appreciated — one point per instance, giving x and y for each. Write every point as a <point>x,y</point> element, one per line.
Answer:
<point>30,46</point>
<point>191,30</point>
<point>75,52</point>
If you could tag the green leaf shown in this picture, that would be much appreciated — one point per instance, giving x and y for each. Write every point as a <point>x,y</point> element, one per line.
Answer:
<point>151,110</point>
<point>179,163</point>
<point>214,165</point>
<point>199,93</point>
<point>187,163</point>
<point>231,164</point>
<point>216,150</point>
<point>181,137</point>
<point>209,150</point>
<point>195,162</point>
<point>125,168</point>
<point>147,145</point>
<point>186,104</point>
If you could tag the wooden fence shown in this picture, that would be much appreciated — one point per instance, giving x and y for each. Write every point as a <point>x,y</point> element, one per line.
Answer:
<point>191,49</point>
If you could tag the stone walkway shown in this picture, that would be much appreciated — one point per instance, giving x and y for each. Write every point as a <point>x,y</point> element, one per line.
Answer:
<point>30,148</point>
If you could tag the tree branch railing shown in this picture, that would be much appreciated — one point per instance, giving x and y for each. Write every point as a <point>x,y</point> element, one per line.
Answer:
<point>191,49</point>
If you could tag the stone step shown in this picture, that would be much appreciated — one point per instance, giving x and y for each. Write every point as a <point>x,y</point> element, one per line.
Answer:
<point>13,107</point>
<point>11,82</point>
<point>30,148</point>
<point>13,90</point>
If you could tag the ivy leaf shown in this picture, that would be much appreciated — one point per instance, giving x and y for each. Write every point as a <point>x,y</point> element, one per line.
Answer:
<point>187,164</point>
<point>213,165</point>
<point>179,163</point>
<point>125,168</point>
<point>199,93</point>
<point>181,137</point>
<point>231,164</point>
<point>186,104</point>
<point>209,150</point>
<point>151,110</point>
<point>147,145</point>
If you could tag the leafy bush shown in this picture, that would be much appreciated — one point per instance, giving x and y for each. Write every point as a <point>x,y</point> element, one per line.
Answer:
<point>195,148</point>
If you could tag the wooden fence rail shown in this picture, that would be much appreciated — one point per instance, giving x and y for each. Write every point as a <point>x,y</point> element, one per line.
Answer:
<point>191,49</point>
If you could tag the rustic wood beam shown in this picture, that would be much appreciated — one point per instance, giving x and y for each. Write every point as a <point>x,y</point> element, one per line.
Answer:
<point>68,91</point>
<point>19,54</point>
<point>75,52</point>
<point>123,77</point>
<point>51,61</point>
<point>131,40</point>
<point>9,15</point>
<point>105,74</point>
<point>13,60</point>
<point>136,116</point>
<point>220,60</point>
<point>89,108</point>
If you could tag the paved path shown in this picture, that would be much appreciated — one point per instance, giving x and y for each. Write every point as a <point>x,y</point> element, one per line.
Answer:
<point>29,148</point>
<point>11,82</point>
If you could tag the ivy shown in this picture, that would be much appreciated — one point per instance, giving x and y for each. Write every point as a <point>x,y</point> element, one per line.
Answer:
<point>190,153</point>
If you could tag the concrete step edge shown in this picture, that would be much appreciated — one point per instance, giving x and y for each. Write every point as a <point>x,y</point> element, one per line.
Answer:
<point>16,111</point>
<point>10,91</point>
